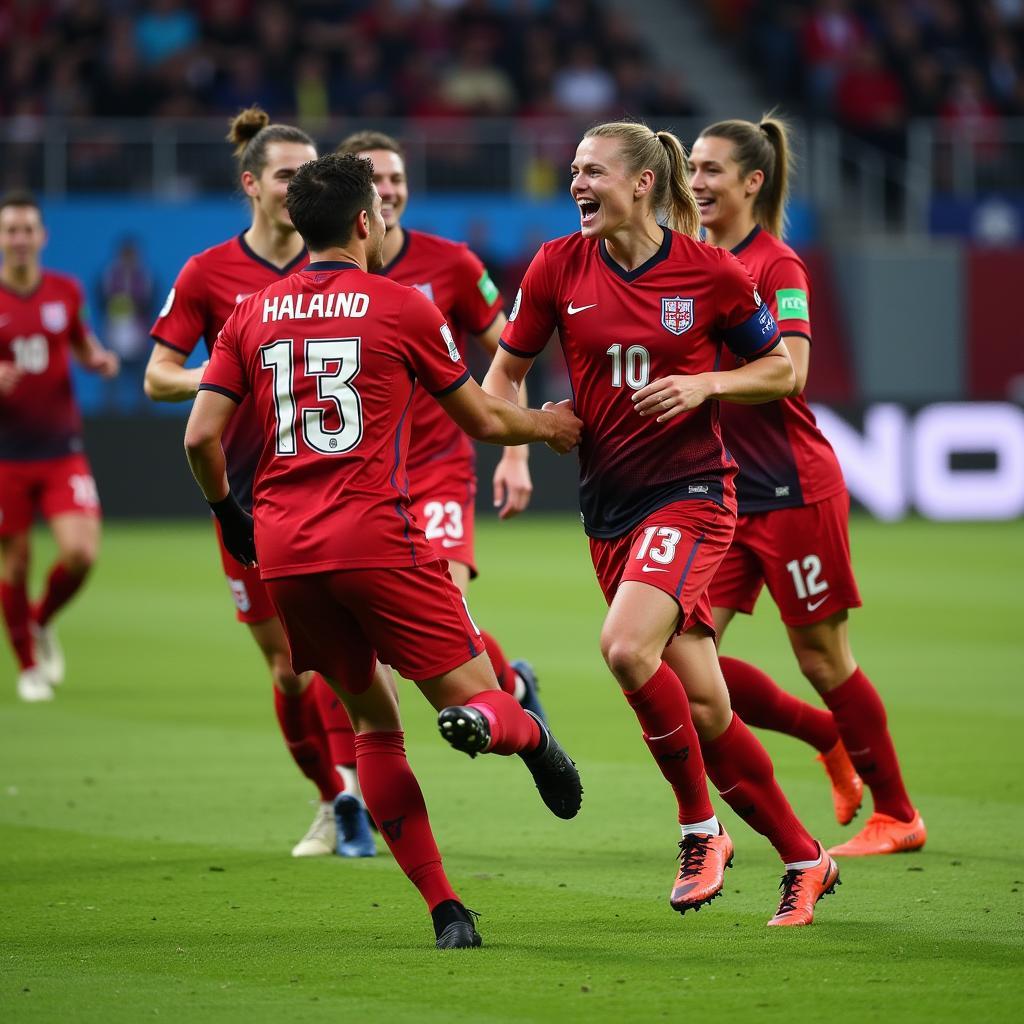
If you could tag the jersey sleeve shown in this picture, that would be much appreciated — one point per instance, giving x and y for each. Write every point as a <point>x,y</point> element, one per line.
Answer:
<point>477,300</point>
<point>182,320</point>
<point>534,314</point>
<point>743,318</point>
<point>429,346</point>
<point>225,373</point>
<point>788,292</point>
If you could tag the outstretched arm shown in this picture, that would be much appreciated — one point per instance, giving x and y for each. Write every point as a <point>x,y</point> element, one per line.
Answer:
<point>166,378</point>
<point>93,356</point>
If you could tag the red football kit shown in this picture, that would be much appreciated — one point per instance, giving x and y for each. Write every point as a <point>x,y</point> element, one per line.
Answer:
<point>442,470</point>
<point>204,295</point>
<point>793,507</point>
<point>619,331</point>
<point>42,465</point>
<point>330,359</point>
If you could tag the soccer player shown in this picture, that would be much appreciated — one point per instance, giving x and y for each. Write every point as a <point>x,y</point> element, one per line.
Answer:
<point>643,312</point>
<point>315,726</point>
<point>442,471</point>
<point>330,359</point>
<point>792,531</point>
<point>43,467</point>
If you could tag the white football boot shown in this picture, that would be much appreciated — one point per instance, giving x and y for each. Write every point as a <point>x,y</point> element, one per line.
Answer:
<point>49,656</point>
<point>34,686</point>
<point>322,837</point>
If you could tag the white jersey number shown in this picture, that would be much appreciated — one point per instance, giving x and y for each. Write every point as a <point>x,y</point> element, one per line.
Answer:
<point>807,583</point>
<point>637,365</point>
<point>32,353</point>
<point>334,362</point>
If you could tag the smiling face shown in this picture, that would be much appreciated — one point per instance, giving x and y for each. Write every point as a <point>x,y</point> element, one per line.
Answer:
<point>603,188</point>
<point>723,194</point>
<point>269,190</point>
<point>389,177</point>
<point>22,236</point>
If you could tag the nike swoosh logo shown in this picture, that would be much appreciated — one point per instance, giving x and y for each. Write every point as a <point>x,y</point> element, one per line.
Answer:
<point>573,310</point>
<point>450,543</point>
<point>239,297</point>
<point>816,604</point>
<point>651,568</point>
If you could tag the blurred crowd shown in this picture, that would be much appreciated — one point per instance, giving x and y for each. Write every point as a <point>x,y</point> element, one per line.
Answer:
<point>310,59</point>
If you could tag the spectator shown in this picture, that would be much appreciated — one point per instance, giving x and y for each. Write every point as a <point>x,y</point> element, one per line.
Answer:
<point>583,86</point>
<point>832,35</point>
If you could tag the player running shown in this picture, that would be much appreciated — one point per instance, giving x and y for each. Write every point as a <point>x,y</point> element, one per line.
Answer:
<point>442,463</point>
<point>316,729</point>
<point>792,532</point>
<point>43,467</point>
<point>330,359</point>
<point>642,313</point>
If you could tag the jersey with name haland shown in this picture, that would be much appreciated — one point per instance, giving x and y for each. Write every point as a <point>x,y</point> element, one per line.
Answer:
<point>208,288</point>
<point>620,330</point>
<point>40,418</point>
<point>455,280</point>
<point>330,359</point>
<point>784,459</point>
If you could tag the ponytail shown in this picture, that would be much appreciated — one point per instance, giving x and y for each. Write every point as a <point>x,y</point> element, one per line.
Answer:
<point>251,133</point>
<point>683,211</point>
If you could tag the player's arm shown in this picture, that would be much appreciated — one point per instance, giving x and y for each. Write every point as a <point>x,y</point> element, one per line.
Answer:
<point>93,356</point>
<point>10,374</point>
<point>512,483</point>
<point>210,416</point>
<point>799,349</point>
<point>167,379</point>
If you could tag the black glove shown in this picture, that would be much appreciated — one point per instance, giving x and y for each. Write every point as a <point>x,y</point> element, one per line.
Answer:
<point>236,529</point>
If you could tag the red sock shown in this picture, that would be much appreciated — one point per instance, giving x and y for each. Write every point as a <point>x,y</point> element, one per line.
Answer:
<point>395,802</point>
<point>502,669</point>
<point>341,739</point>
<point>305,740</point>
<point>742,772</point>
<point>664,714</point>
<point>762,703</point>
<point>860,716</point>
<point>61,586</point>
<point>513,731</point>
<point>14,598</point>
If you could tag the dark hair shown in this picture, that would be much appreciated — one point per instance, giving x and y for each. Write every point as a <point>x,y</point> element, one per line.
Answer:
<point>761,147</point>
<point>21,197</point>
<point>325,197</point>
<point>363,142</point>
<point>662,153</point>
<point>251,132</point>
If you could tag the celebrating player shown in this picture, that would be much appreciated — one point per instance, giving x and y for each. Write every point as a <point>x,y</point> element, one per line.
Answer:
<point>329,359</point>
<point>42,462</point>
<point>316,729</point>
<point>642,312</point>
<point>792,531</point>
<point>442,473</point>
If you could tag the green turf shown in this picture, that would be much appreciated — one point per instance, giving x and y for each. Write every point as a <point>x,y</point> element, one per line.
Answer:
<point>146,818</point>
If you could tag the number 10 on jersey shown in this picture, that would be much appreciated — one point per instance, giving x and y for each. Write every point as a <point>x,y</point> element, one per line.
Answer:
<point>334,362</point>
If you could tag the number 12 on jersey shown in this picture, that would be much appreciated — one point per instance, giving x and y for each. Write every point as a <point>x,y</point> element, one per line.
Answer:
<point>334,362</point>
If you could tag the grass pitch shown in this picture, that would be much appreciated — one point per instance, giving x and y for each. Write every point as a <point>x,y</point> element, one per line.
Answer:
<point>146,818</point>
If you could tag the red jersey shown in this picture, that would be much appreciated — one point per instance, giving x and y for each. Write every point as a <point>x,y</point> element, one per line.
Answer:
<point>620,330</point>
<point>330,358</point>
<point>40,419</point>
<point>784,458</point>
<point>204,295</point>
<point>458,284</point>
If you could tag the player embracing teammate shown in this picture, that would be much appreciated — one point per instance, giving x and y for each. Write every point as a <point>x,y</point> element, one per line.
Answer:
<point>792,531</point>
<point>330,360</point>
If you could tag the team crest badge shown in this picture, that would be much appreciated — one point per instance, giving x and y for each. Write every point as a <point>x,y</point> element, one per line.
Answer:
<point>677,315</point>
<point>54,316</point>
<point>426,288</point>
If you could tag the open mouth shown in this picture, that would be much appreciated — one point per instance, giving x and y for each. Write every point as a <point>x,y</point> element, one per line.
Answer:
<point>705,202</point>
<point>588,210</point>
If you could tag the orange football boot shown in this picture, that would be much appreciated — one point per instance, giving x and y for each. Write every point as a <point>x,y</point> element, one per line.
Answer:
<point>703,860</point>
<point>802,888</point>
<point>847,787</point>
<point>884,834</point>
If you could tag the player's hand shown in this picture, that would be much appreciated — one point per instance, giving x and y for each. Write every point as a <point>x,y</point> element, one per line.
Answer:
<point>567,429</point>
<point>512,485</point>
<point>10,374</point>
<point>667,397</point>
<point>104,362</point>
<point>236,527</point>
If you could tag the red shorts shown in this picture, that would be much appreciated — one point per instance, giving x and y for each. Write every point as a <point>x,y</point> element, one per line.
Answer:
<point>675,549</point>
<point>803,554</point>
<point>52,487</point>
<point>339,623</point>
<point>443,503</point>
<point>252,602</point>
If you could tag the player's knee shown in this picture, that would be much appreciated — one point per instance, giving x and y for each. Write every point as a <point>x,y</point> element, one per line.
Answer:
<point>283,675</point>
<point>78,559</point>
<point>820,668</point>
<point>626,658</point>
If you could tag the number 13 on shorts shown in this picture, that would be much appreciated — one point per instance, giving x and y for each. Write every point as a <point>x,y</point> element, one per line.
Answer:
<point>665,551</point>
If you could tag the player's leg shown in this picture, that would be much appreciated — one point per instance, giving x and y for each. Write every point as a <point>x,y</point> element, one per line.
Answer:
<point>33,684</point>
<point>823,652</point>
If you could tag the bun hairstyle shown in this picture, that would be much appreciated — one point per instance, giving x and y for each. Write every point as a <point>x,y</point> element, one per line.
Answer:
<point>761,147</point>
<point>664,154</point>
<point>251,133</point>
